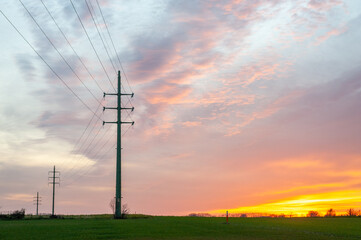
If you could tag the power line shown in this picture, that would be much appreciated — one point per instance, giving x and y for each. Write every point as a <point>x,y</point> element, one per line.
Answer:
<point>67,40</point>
<point>83,133</point>
<point>101,38</point>
<point>72,173</point>
<point>77,158</point>
<point>85,153</point>
<point>111,39</point>
<point>99,24</point>
<point>116,52</point>
<point>89,168</point>
<point>52,44</point>
<point>67,86</point>
<point>95,157</point>
<point>130,126</point>
<point>86,139</point>
<point>91,43</point>
<point>129,99</point>
<point>129,102</point>
<point>45,188</point>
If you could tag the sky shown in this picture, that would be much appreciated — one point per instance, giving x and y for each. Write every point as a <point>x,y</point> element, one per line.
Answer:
<point>240,105</point>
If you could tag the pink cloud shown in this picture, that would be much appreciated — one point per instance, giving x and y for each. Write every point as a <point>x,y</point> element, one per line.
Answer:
<point>331,33</point>
<point>192,124</point>
<point>323,5</point>
<point>173,96</point>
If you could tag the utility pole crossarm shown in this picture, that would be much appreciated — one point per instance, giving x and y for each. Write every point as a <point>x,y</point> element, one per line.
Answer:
<point>127,94</point>
<point>128,123</point>
<point>114,94</point>
<point>109,122</point>
<point>126,108</point>
<point>120,123</point>
<point>115,108</point>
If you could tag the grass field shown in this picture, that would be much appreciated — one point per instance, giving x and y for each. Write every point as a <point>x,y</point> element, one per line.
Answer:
<point>182,228</point>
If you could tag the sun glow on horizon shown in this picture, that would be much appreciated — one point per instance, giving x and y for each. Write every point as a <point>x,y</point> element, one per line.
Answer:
<point>301,205</point>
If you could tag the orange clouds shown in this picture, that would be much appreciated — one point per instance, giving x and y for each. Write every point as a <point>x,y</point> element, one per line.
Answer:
<point>267,68</point>
<point>298,164</point>
<point>19,197</point>
<point>191,124</point>
<point>171,96</point>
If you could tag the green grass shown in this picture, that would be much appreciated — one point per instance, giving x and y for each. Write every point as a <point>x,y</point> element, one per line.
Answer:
<point>102,227</point>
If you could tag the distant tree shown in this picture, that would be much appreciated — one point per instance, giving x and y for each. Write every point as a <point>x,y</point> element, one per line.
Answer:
<point>15,215</point>
<point>199,215</point>
<point>352,212</point>
<point>112,205</point>
<point>330,213</point>
<point>19,214</point>
<point>313,214</point>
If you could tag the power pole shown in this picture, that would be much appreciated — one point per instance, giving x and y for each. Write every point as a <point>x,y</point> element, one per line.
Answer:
<point>55,179</point>
<point>118,183</point>
<point>37,202</point>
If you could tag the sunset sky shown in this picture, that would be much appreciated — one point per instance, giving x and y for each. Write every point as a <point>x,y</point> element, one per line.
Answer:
<point>243,105</point>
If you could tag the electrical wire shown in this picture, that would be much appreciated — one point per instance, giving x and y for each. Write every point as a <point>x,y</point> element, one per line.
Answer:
<point>77,158</point>
<point>79,139</point>
<point>92,149</point>
<point>48,65</point>
<point>91,43</point>
<point>67,40</point>
<point>69,88</point>
<point>101,38</point>
<point>74,159</point>
<point>52,44</point>
<point>111,39</point>
<point>116,52</point>
<point>90,167</point>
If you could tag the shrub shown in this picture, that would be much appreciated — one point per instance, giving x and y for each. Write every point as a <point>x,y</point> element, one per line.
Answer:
<point>16,215</point>
<point>199,215</point>
<point>313,214</point>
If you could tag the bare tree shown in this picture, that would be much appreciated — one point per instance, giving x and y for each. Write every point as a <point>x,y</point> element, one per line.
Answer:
<point>352,212</point>
<point>125,209</point>
<point>112,205</point>
<point>313,214</point>
<point>330,213</point>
